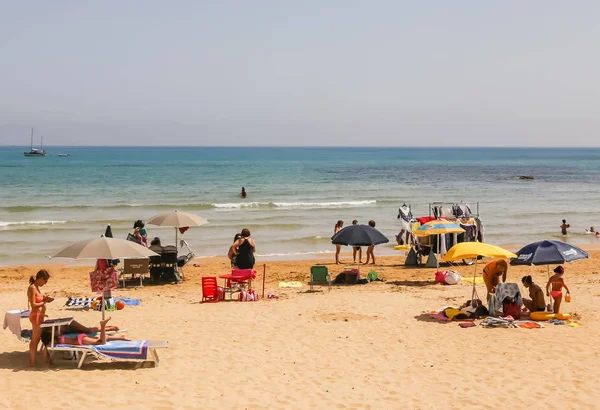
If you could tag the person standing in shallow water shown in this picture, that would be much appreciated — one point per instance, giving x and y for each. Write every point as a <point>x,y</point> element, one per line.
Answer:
<point>338,227</point>
<point>243,193</point>
<point>564,226</point>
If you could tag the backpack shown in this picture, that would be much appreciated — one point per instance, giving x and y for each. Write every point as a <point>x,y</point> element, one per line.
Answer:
<point>512,309</point>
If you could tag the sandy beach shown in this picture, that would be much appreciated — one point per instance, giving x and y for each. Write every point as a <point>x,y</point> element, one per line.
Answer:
<point>355,347</point>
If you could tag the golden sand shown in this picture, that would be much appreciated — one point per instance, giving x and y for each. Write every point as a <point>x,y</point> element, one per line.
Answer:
<point>356,347</point>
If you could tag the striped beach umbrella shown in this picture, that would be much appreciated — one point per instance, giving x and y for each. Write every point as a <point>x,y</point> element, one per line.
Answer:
<point>437,227</point>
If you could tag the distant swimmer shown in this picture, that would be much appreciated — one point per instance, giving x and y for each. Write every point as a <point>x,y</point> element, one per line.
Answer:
<point>243,193</point>
<point>564,226</point>
<point>591,230</point>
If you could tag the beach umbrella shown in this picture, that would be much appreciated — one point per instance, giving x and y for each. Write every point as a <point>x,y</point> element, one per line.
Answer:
<point>104,248</point>
<point>470,250</point>
<point>548,253</point>
<point>437,227</point>
<point>176,219</point>
<point>358,235</point>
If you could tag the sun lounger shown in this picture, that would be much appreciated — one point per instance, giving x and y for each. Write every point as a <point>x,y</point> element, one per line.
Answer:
<point>118,350</point>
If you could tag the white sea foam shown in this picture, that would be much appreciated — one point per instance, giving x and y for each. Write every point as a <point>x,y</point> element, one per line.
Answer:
<point>332,204</point>
<point>3,224</point>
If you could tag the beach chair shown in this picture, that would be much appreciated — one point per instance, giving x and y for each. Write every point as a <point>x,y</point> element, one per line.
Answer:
<point>133,268</point>
<point>210,290</point>
<point>118,350</point>
<point>238,280</point>
<point>319,275</point>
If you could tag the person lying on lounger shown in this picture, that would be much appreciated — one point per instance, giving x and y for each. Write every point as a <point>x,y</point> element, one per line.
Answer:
<point>83,338</point>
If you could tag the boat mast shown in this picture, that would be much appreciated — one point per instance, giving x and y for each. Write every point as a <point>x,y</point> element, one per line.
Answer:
<point>32,138</point>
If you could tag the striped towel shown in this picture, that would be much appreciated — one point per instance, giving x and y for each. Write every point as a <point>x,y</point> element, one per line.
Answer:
<point>119,349</point>
<point>81,302</point>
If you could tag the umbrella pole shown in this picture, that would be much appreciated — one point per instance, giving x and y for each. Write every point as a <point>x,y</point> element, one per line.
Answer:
<point>474,276</point>
<point>176,248</point>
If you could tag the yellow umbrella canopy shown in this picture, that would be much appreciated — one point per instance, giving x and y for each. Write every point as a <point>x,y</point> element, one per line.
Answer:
<point>437,227</point>
<point>470,250</point>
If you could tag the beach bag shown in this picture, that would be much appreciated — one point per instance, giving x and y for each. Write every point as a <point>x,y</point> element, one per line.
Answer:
<point>133,238</point>
<point>440,277</point>
<point>220,293</point>
<point>249,295</point>
<point>452,278</point>
<point>511,309</point>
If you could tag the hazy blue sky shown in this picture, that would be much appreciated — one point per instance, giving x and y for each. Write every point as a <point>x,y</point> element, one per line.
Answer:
<point>305,72</point>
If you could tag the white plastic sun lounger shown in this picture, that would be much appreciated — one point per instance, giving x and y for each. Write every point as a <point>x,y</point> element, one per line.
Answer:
<point>133,350</point>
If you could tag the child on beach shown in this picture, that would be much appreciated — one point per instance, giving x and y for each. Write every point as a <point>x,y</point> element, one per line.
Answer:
<point>371,248</point>
<point>356,249</point>
<point>556,282</point>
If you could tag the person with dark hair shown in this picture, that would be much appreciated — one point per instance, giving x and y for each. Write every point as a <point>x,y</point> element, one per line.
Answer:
<point>491,275</point>
<point>243,193</point>
<point>81,339</point>
<point>232,254</point>
<point>371,248</point>
<point>139,231</point>
<point>155,241</point>
<point>356,249</point>
<point>244,249</point>
<point>564,226</point>
<point>37,302</point>
<point>338,248</point>
<point>556,283</point>
<point>537,303</point>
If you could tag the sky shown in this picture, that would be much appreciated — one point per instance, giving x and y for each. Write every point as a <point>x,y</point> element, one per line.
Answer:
<point>300,73</point>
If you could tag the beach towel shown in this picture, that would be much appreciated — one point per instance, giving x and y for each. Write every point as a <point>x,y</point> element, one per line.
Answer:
<point>118,349</point>
<point>290,284</point>
<point>528,324</point>
<point>80,302</point>
<point>478,279</point>
<point>128,301</point>
<point>439,316</point>
<point>12,321</point>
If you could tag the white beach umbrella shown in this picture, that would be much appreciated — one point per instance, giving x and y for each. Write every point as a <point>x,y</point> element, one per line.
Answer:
<point>177,220</point>
<point>104,248</point>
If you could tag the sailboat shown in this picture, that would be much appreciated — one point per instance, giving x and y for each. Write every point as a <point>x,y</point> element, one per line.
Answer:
<point>36,152</point>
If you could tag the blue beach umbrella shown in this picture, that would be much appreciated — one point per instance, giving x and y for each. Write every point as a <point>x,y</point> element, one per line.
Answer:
<point>548,253</point>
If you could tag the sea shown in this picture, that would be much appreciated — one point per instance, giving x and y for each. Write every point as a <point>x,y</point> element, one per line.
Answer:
<point>295,195</point>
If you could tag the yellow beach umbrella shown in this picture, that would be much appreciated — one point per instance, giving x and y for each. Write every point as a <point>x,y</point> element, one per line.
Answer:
<point>469,250</point>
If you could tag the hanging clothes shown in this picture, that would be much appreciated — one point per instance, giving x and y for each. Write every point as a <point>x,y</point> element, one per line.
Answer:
<point>405,215</point>
<point>480,233</point>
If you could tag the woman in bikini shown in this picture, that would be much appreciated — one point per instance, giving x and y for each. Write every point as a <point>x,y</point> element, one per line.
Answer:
<point>556,282</point>
<point>97,337</point>
<point>537,303</point>
<point>37,303</point>
<point>371,248</point>
<point>338,227</point>
<point>491,275</point>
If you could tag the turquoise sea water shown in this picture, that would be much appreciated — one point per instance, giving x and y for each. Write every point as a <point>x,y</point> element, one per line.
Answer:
<point>295,195</point>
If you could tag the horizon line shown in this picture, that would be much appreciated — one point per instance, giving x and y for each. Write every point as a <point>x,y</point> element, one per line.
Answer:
<point>313,146</point>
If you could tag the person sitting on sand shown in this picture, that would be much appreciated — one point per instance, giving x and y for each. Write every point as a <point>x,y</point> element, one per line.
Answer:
<point>371,248</point>
<point>356,249</point>
<point>338,227</point>
<point>491,275</point>
<point>232,254</point>
<point>537,303</point>
<point>556,282</point>
<point>244,249</point>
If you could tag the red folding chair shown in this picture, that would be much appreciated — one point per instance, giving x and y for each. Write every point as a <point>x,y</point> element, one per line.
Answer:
<point>210,290</point>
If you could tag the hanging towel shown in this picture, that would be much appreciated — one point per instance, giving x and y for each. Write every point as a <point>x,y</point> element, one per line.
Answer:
<point>12,320</point>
